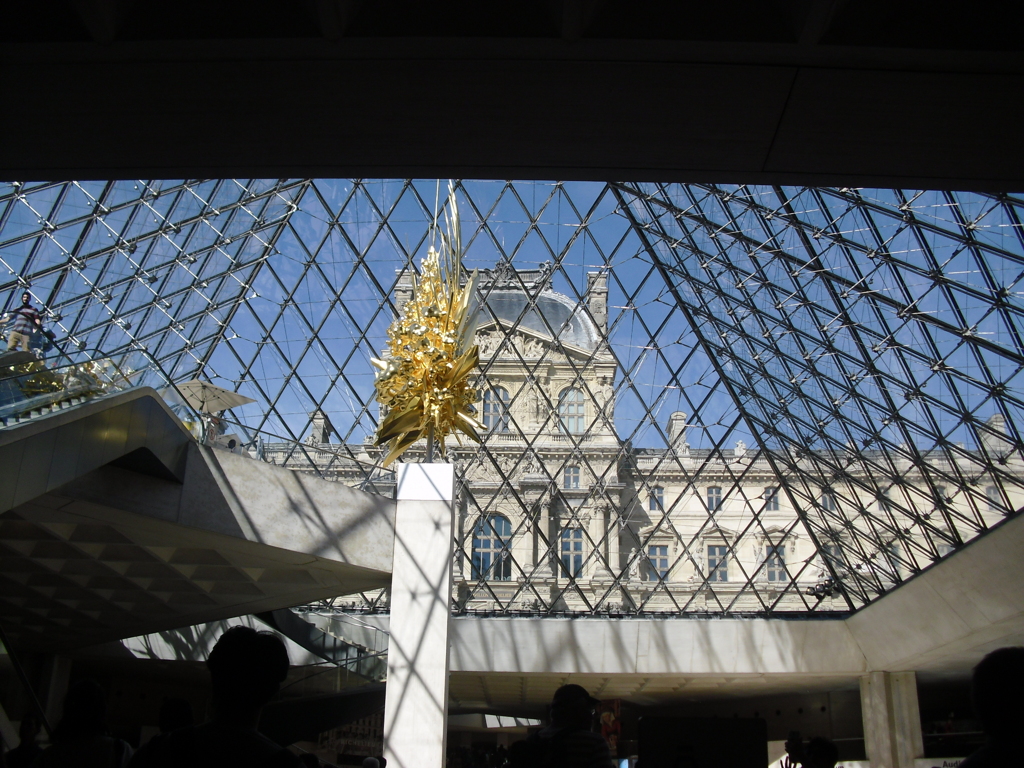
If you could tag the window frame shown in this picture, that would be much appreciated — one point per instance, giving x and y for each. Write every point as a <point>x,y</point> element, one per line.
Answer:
<point>571,477</point>
<point>828,501</point>
<point>994,498</point>
<point>718,563</point>
<point>775,563</point>
<point>495,414</point>
<point>572,408</point>
<point>571,551</point>
<point>715,498</point>
<point>659,564</point>
<point>656,499</point>
<point>491,549</point>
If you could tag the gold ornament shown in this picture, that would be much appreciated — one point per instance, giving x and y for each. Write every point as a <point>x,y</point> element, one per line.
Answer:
<point>423,384</point>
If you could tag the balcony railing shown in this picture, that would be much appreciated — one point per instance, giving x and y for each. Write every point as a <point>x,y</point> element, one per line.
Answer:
<point>30,388</point>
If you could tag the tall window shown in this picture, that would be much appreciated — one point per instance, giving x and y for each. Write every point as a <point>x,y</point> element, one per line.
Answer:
<point>572,551</point>
<point>571,477</point>
<point>775,562</point>
<point>656,501</point>
<point>496,409</point>
<point>570,411</point>
<point>657,556</point>
<point>992,494</point>
<point>714,498</point>
<point>718,563</point>
<point>828,501</point>
<point>771,499</point>
<point>491,539</point>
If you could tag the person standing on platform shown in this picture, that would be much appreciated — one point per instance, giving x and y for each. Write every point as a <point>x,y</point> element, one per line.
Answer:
<point>24,321</point>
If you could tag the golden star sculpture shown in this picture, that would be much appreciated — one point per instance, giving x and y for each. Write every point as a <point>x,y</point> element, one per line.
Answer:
<point>423,384</point>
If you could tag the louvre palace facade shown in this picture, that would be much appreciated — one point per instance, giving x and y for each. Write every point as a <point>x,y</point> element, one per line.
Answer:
<point>559,515</point>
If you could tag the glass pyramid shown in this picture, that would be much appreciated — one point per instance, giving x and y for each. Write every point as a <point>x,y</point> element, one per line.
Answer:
<point>701,399</point>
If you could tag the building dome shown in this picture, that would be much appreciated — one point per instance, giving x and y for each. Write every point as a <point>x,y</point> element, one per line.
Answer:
<point>554,313</point>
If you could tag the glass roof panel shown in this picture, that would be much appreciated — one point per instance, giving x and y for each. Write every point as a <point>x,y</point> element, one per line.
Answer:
<point>701,399</point>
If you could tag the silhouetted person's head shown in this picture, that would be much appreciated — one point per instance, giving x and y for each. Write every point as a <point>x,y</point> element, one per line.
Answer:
<point>246,669</point>
<point>572,707</point>
<point>85,711</point>
<point>175,713</point>
<point>998,692</point>
<point>820,753</point>
<point>26,299</point>
<point>371,762</point>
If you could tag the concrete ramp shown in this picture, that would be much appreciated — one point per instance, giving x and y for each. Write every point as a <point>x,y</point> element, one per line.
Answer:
<point>115,523</point>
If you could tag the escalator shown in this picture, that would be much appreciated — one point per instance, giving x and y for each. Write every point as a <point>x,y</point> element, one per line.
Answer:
<point>361,688</point>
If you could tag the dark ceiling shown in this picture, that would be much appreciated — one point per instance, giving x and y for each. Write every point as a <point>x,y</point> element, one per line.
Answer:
<point>781,91</point>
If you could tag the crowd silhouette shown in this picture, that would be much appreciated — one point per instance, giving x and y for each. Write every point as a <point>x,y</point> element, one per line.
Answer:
<point>81,737</point>
<point>246,670</point>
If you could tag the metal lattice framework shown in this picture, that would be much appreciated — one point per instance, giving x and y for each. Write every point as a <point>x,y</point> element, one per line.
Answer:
<point>865,344</point>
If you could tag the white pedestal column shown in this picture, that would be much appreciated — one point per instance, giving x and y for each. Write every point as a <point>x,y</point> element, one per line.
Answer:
<point>416,710</point>
<point>892,719</point>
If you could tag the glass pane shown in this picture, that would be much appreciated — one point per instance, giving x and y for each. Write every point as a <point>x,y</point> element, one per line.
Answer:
<point>674,378</point>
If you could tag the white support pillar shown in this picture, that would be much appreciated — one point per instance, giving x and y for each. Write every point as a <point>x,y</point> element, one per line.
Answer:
<point>892,719</point>
<point>416,710</point>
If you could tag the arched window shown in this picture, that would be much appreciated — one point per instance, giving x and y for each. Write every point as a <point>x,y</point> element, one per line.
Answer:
<point>570,411</point>
<point>491,542</point>
<point>572,551</point>
<point>496,409</point>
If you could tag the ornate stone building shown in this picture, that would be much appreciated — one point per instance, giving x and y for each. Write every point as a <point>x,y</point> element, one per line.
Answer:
<point>557,513</point>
